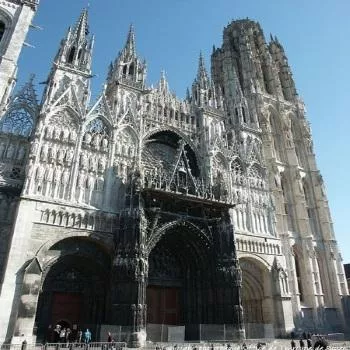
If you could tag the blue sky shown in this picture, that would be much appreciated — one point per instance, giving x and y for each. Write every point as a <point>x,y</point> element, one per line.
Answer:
<point>171,33</point>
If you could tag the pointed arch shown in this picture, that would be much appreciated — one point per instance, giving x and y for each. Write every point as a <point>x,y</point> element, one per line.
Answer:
<point>299,270</point>
<point>71,54</point>
<point>276,131</point>
<point>237,171</point>
<point>100,109</point>
<point>176,131</point>
<point>2,29</point>
<point>6,23</point>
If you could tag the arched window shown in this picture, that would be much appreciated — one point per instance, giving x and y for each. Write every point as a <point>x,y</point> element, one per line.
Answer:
<point>125,68</point>
<point>131,69</point>
<point>237,172</point>
<point>2,29</point>
<point>287,205</point>
<point>244,115</point>
<point>298,275</point>
<point>71,54</point>
<point>310,208</point>
<point>18,122</point>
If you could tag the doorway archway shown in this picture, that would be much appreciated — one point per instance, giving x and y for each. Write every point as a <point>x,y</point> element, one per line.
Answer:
<point>257,299</point>
<point>181,287</point>
<point>74,292</point>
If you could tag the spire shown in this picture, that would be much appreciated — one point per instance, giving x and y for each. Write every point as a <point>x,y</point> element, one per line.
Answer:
<point>127,66</point>
<point>74,58</point>
<point>202,75</point>
<point>76,49</point>
<point>81,29</point>
<point>130,47</point>
<point>163,84</point>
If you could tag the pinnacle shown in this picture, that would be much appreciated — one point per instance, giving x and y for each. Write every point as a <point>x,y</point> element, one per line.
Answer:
<point>130,46</point>
<point>82,26</point>
<point>202,72</point>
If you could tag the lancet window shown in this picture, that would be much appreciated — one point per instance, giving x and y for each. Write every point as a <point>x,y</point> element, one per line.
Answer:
<point>237,172</point>
<point>255,177</point>
<point>2,29</point>
<point>287,205</point>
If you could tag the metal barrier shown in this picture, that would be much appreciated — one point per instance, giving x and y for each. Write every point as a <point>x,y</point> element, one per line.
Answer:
<point>21,346</point>
<point>85,346</point>
<point>197,346</point>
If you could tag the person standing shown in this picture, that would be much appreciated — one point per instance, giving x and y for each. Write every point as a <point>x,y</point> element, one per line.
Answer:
<point>80,336</point>
<point>109,338</point>
<point>63,335</point>
<point>309,342</point>
<point>87,336</point>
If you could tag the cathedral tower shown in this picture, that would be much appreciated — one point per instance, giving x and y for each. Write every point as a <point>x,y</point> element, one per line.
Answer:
<point>15,20</point>
<point>268,118</point>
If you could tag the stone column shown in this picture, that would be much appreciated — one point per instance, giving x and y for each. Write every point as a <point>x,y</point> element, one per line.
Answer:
<point>130,269</point>
<point>129,309</point>
<point>284,322</point>
<point>229,276</point>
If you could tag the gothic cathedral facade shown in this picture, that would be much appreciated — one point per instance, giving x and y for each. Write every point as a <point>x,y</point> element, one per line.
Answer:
<point>141,211</point>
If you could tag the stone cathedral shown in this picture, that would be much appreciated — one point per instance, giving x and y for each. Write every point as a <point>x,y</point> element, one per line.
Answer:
<point>151,216</point>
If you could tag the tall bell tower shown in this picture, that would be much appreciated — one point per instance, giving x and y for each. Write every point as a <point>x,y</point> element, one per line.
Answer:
<point>15,19</point>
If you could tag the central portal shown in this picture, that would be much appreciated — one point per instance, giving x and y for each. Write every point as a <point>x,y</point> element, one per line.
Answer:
<point>164,292</point>
<point>180,284</point>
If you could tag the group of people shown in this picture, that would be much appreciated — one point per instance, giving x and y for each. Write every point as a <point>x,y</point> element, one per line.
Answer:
<point>65,335</point>
<point>305,342</point>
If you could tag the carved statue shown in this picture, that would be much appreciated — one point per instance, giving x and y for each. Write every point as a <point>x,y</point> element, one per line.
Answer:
<point>21,153</point>
<point>10,151</point>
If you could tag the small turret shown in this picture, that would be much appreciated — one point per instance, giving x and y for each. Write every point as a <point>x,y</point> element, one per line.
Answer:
<point>203,91</point>
<point>76,49</point>
<point>128,68</point>
<point>72,67</point>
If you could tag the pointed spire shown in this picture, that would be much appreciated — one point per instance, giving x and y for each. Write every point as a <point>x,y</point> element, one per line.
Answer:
<point>130,47</point>
<point>188,95</point>
<point>163,84</point>
<point>202,75</point>
<point>81,29</point>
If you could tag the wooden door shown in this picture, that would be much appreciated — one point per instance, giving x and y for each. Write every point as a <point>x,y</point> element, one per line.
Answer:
<point>66,307</point>
<point>163,305</point>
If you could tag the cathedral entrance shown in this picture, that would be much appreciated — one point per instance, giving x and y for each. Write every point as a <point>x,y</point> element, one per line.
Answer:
<point>257,300</point>
<point>179,284</point>
<point>164,291</point>
<point>73,296</point>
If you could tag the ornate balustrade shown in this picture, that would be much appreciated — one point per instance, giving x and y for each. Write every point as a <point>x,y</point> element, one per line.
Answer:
<point>258,246</point>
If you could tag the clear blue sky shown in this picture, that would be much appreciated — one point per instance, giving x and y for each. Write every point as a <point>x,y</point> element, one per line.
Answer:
<point>171,33</point>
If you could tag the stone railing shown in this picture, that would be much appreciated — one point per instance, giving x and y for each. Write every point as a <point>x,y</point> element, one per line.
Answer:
<point>84,221</point>
<point>258,246</point>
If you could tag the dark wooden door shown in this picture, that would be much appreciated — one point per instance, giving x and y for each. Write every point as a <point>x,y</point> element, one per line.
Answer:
<point>66,307</point>
<point>163,305</point>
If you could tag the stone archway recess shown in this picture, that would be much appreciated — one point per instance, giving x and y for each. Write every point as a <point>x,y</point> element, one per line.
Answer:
<point>257,299</point>
<point>73,287</point>
<point>181,281</point>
